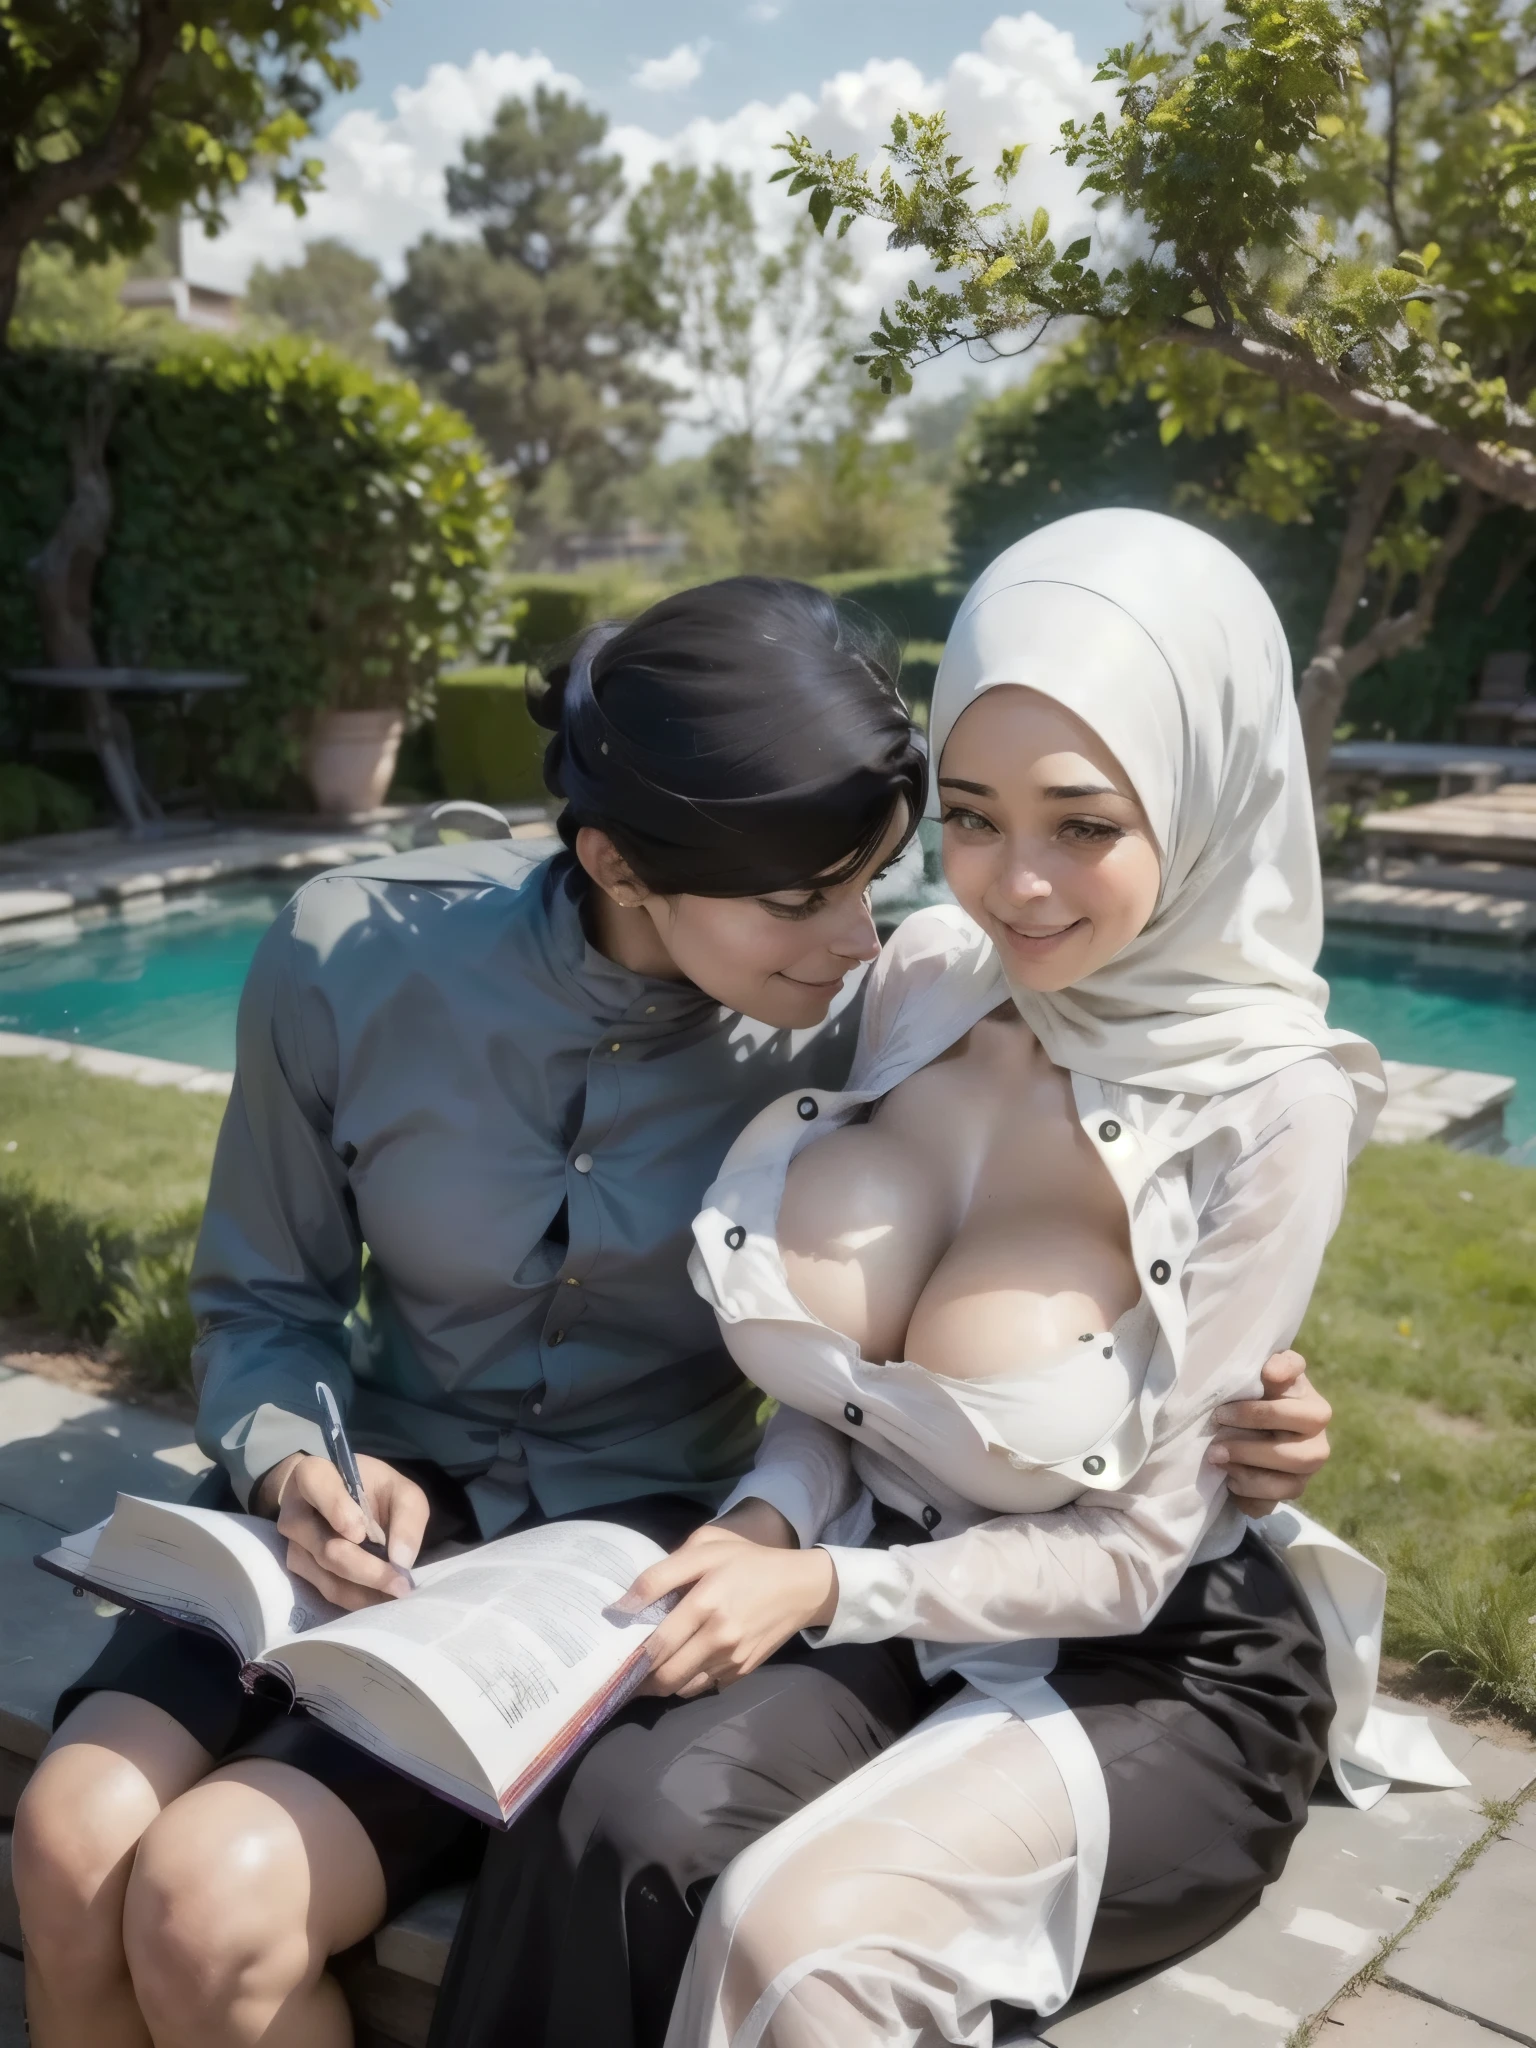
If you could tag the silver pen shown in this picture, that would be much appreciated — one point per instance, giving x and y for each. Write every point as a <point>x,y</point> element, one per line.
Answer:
<point>342,1458</point>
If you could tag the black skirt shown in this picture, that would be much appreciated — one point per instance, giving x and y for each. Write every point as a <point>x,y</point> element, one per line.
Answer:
<point>1210,1726</point>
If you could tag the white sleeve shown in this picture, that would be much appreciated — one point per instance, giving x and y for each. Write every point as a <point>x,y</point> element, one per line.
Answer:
<point>1104,1565</point>
<point>804,1469</point>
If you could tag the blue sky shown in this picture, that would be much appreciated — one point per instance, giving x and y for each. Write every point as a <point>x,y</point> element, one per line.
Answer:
<point>752,49</point>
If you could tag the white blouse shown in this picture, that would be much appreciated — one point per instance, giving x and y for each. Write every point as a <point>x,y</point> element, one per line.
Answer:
<point>1069,1502</point>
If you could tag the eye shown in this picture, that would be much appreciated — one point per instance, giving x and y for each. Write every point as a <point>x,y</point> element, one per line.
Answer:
<point>1091,831</point>
<point>794,912</point>
<point>966,820</point>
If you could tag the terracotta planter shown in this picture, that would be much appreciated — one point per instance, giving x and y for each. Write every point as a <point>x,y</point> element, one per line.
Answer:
<point>351,758</point>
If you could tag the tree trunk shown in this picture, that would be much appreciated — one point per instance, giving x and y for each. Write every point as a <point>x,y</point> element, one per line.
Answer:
<point>1336,662</point>
<point>10,285</point>
<point>64,572</point>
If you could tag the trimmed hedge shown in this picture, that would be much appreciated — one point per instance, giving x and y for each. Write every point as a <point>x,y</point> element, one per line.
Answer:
<point>277,509</point>
<point>31,801</point>
<point>920,606</point>
<point>556,608</point>
<point>487,745</point>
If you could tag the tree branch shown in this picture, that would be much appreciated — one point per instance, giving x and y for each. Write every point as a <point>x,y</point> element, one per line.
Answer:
<point>39,196</point>
<point>1509,477</point>
<point>1335,665</point>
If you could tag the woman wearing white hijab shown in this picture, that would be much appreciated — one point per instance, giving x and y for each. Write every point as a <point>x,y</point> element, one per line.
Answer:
<point>1092,1149</point>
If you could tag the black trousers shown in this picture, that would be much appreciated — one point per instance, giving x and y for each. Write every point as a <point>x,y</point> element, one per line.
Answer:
<point>1211,1728</point>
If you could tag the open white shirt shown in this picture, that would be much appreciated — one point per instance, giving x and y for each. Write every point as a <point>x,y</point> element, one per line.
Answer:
<point>1231,1201</point>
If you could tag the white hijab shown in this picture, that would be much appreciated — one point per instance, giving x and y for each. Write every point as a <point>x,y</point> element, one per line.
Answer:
<point>1160,640</point>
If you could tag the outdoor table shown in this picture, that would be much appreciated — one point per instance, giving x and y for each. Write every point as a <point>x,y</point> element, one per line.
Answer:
<point>107,729</point>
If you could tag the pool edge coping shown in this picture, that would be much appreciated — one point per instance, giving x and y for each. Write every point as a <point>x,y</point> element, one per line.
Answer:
<point>118,1066</point>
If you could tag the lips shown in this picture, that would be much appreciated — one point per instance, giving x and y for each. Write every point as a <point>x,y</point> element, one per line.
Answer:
<point>1040,941</point>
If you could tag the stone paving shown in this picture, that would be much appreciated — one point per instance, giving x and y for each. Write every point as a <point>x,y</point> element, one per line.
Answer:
<point>1464,1977</point>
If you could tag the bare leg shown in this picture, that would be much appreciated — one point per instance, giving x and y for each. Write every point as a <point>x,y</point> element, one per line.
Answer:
<point>241,1893</point>
<point>106,1775</point>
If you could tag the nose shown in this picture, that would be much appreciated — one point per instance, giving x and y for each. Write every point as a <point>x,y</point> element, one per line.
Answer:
<point>856,937</point>
<point>1020,879</point>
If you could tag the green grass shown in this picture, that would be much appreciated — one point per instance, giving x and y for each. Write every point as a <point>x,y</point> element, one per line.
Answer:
<point>1422,1333</point>
<point>99,1202</point>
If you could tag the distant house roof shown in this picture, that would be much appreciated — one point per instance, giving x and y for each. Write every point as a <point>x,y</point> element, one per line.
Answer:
<point>194,305</point>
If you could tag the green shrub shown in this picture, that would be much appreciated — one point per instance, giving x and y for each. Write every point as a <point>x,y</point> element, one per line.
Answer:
<point>487,745</point>
<point>57,1260</point>
<point>557,608</point>
<point>32,801</point>
<point>278,510</point>
<point>919,667</point>
<point>916,606</point>
<point>152,1318</point>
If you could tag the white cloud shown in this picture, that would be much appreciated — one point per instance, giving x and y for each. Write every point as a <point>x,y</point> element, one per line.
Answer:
<point>384,173</point>
<point>674,72</point>
<point>764,10</point>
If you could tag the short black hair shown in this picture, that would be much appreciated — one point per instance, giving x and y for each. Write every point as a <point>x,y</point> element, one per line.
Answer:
<point>739,737</point>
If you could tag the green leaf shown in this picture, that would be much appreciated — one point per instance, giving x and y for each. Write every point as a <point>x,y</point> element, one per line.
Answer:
<point>820,207</point>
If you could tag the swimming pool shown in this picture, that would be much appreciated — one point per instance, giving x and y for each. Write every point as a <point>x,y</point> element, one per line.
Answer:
<point>164,978</point>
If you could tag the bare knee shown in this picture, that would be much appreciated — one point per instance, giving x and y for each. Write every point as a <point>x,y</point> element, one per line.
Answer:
<point>79,1821</point>
<point>214,1915</point>
<point>240,1893</point>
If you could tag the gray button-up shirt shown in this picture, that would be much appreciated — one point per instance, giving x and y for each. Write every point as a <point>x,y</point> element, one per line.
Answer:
<point>456,1179</point>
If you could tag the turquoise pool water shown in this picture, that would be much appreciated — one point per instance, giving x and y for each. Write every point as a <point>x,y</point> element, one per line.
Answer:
<point>166,980</point>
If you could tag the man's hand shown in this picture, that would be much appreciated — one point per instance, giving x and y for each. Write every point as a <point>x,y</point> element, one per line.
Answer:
<point>326,1529</point>
<point>1269,1449</point>
<point>744,1599</point>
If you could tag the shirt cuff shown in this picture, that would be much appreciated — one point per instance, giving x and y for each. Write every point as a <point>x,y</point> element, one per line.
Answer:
<point>252,1446</point>
<point>874,1595</point>
<point>783,1490</point>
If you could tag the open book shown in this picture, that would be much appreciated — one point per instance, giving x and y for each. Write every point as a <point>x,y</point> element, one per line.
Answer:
<point>479,1684</point>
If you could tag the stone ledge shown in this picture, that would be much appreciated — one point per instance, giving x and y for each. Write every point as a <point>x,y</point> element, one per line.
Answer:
<point>117,1066</point>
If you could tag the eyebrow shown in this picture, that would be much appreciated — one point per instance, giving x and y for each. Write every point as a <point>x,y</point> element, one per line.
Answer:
<point>1066,791</point>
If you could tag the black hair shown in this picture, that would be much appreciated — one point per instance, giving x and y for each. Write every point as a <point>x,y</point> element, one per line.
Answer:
<point>740,737</point>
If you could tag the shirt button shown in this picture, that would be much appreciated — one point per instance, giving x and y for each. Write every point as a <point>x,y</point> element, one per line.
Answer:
<point>1109,1130</point>
<point>1160,1270</point>
<point>852,1414</point>
<point>554,1337</point>
<point>735,1237</point>
<point>582,1162</point>
<point>806,1108</point>
<point>538,1407</point>
<point>615,1046</point>
<point>931,1518</point>
<point>650,1009</point>
<point>1093,1466</point>
<point>571,1280</point>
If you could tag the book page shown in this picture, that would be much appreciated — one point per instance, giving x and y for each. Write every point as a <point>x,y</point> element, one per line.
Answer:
<point>504,1645</point>
<point>207,1566</point>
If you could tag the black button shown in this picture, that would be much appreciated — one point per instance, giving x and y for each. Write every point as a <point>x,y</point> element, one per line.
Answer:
<point>1160,1270</point>
<point>1109,1130</point>
<point>1086,1337</point>
<point>555,1337</point>
<point>735,1237</point>
<point>1093,1466</point>
<point>852,1414</point>
<point>807,1108</point>
<point>1109,1350</point>
<point>931,1518</point>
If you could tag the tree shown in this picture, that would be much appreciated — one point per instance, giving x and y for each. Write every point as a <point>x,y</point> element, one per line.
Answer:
<point>115,113</point>
<point>528,329</point>
<point>334,294</point>
<point>761,331</point>
<point>1332,208</point>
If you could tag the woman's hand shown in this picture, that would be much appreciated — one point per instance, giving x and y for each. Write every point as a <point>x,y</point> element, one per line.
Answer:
<point>1269,1449</point>
<point>326,1529</point>
<point>744,1599</point>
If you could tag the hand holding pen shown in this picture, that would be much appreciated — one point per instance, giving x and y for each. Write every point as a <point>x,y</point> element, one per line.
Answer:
<point>354,1550</point>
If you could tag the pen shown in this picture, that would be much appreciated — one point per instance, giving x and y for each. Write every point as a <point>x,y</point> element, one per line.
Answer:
<point>346,1464</point>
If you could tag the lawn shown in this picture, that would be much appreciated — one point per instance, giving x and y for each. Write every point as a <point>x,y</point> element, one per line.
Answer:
<point>1422,1333</point>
